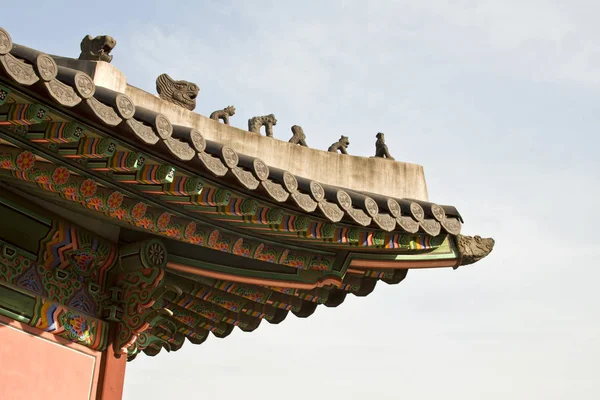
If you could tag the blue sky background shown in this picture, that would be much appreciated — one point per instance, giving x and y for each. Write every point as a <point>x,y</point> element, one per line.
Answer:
<point>499,100</point>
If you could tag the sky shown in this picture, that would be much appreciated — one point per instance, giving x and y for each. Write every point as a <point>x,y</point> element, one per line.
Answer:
<point>498,100</point>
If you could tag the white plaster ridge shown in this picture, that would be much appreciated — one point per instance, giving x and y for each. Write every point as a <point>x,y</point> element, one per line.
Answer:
<point>104,74</point>
<point>375,175</point>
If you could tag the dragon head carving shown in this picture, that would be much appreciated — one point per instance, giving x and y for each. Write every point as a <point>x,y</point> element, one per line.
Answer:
<point>98,48</point>
<point>473,249</point>
<point>182,93</point>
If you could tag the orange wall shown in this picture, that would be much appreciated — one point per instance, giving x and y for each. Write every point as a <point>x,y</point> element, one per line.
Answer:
<point>38,365</point>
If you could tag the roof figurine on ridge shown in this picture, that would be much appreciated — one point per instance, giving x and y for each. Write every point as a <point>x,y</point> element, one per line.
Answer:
<point>298,136</point>
<point>98,48</point>
<point>341,145</point>
<point>182,93</point>
<point>268,121</point>
<point>381,149</point>
<point>223,114</point>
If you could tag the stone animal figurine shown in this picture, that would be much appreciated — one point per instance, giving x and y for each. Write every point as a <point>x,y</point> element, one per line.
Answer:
<point>268,121</point>
<point>223,114</point>
<point>298,136</point>
<point>341,145</point>
<point>473,249</point>
<point>182,93</point>
<point>98,48</point>
<point>381,149</point>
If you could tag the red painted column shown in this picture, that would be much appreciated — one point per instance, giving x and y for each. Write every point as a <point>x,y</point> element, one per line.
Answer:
<point>112,372</point>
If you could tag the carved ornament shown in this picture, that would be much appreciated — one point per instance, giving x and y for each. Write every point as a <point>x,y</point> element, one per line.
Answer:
<point>473,249</point>
<point>104,112</point>
<point>371,207</point>
<point>385,222</point>
<point>341,145</point>
<point>317,191</point>
<point>197,140</point>
<point>246,178</point>
<point>212,164</point>
<point>143,132</point>
<point>344,199</point>
<point>431,227</point>
<point>46,67</point>
<point>417,212</point>
<point>125,106</point>
<point>452,226</point>
<point>275,190</point>
<point>331,211</point>
<point>290,182</point>
<point>438,212</point>
<point>180,149</point>
<point>381,149</point>
<point>98,48</point>
<point>394,208</point>
<point>298,136</point>
<point>5,42</point>
<point>163,126</point>
<point>261,170</point>
<point>229,157</point>
<point>408,224</point>
<point>268,121</point>
<point>223,114</point>
<point>63,94</point>
<point>18,70</point>
<point>84,85</point>
<point>182,93</point>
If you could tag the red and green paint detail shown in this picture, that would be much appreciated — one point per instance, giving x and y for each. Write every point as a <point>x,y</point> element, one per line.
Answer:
<point>90,194</point>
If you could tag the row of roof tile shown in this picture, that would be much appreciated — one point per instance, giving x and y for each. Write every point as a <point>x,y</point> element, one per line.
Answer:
<point>71,88</point>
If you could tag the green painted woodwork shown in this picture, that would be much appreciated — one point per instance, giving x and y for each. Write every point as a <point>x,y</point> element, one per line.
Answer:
<point>16,304</point>
<point>21,229</point>
<point>4,92</point>
<point>16,203</point>
<point>23,114</point>
<point>55,132</point>
<point>298,275</point>
<point>120,162</point>
<point>89,148</point>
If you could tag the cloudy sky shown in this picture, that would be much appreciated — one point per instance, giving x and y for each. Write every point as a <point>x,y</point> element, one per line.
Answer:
<point>499,100</point>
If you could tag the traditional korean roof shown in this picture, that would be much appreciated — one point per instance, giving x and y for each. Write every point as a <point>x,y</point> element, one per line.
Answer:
<point>227,238</point>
